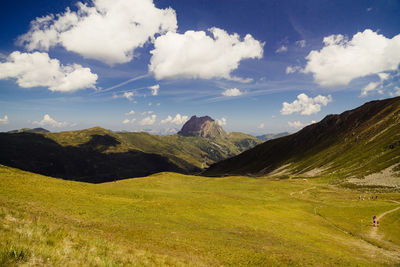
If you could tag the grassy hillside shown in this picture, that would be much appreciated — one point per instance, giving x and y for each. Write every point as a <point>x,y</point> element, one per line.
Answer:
<point>199,152</point>
<point>173,219</point>
<point>98,155</point>
<point>355,143</point>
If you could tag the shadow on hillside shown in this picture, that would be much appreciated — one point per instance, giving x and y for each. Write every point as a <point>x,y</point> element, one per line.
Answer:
<point>86,162</point>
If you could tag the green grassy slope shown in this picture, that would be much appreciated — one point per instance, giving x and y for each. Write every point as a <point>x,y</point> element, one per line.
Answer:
<point>173,219</point>
<point>355,143</point>
<point>197,151</point>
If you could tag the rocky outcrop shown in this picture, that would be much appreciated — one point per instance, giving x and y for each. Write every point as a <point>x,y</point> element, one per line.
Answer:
<point>202,126</point>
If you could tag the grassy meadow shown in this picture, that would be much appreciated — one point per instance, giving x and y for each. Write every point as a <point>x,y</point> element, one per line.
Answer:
<point>173,219</point>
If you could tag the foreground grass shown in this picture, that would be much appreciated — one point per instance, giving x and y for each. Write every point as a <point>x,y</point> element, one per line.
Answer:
<point>172,219</point>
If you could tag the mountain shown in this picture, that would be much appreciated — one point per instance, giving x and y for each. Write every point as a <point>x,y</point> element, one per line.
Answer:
<point>200,143</point>
<point>28,130</point>
<point>202,126</point>
<point>99,155</point>
<point>266,137</point>
<point>355,143</point>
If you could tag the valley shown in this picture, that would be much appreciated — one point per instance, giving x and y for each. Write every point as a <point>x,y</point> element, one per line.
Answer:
<point>174,219</point>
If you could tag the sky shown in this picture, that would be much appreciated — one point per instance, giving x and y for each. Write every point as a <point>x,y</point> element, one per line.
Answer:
<point>257,67</point>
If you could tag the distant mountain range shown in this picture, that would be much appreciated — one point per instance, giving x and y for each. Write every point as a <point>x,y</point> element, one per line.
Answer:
<point>355,143</point>
<point>28,130</point>
<point>266,137</point>
<point>99,155</point>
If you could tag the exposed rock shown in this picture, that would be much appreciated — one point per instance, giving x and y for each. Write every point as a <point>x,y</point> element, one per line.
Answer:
<point>202,126</point>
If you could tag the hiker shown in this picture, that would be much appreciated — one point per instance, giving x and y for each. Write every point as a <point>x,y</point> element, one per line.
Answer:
<point>374,220</point>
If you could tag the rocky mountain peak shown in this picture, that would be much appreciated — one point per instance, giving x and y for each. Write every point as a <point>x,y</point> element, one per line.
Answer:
<point>201,126</point>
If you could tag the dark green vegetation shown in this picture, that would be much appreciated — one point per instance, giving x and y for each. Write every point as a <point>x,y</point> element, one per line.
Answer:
<point>266,137</point>
<point>355,143</point>
<point>173,219</point>
<point>98,155</point>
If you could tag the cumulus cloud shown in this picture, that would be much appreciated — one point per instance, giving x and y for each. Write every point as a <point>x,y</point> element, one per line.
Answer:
<point>195,54</point>
<point>104,30</point>
<point>232,92</point>
<point>4,120</point>
<point>131,112</point>
<point>154,89</point>
<point>301,43</point>
<point>49,121</point>
<point>38,69</point>
<point>222,121</point>
<point>128,95</point>
<point>292,69</point>
<point>342,60</point>
<point>295,124</point>
<point>148,120</point>
<point>305,105</point>
<point>127,121</point>
<point>261,126</point>
<point>178,119</point>
<point>281,49</point>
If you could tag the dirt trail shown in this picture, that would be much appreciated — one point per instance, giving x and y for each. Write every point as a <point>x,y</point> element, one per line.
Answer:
<point>374,231</point>
<point>302,191</point>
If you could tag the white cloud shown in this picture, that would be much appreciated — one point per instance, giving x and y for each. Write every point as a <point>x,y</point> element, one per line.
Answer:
<point>340,60</point>
<point>128,95</point>
<point>148,120</point>
<point>375,86</point>
<point>261,126</point>
<point>147,112</point>
<point>292,69</point>
<point>150,104</point>
<point>383,76</point>
<point>369,87</point>
<point>154,89</point>
<point>104,30</point>
<point>49,121</point>
<point>299,124</point>
<point>131,112</point>
<point>232,92</point>
<point>4,120</point>
<point>281,49</point>
<point>395,92</point>
<point>305,105</point>
<point>301,43</point>
<point>127,121</point>
<point>194,54</point>
<point>295,124</point>
<point>38,69</point>
<point>222,121</point>
<point>178,119</point>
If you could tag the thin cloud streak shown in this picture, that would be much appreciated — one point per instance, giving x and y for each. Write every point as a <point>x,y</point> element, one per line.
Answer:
<point>123,83</point>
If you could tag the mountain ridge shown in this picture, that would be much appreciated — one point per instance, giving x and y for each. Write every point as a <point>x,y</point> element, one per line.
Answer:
<point>99,155</point>
<point>354,143</point>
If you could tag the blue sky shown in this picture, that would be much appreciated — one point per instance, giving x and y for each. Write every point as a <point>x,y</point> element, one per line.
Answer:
<point>255,66</point>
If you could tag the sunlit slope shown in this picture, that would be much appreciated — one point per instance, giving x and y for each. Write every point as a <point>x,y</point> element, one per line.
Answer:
<point>355,143</point>
<point>173,219</point>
